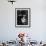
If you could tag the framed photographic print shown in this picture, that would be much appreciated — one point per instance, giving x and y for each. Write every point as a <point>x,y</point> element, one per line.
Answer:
<point>22,17</point>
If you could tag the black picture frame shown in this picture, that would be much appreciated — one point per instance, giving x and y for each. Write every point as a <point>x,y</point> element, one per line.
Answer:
<point>22,17</point>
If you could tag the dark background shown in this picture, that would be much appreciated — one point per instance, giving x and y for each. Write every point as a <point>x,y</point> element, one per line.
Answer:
<point>20,14</point>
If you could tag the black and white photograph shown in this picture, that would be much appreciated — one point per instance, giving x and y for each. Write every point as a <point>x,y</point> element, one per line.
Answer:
<point>22,16</point>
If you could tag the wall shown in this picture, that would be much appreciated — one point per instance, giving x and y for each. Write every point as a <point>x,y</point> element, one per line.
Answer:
<point>37,31</point>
